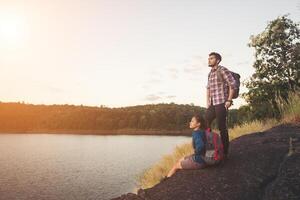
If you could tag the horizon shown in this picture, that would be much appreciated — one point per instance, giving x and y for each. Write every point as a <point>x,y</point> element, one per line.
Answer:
<point>120,54</point>
<point>98,106</point>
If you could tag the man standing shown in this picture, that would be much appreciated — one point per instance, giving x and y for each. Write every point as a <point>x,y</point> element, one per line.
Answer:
<point>219,99</point>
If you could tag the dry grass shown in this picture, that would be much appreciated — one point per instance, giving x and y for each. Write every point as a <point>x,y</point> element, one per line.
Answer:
<point>251,127</point>
<point>290,110</point>
<point>152,175</point>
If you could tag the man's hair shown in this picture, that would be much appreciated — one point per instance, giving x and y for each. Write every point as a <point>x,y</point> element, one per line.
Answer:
<point>200,119</point>
<point>218,56</point>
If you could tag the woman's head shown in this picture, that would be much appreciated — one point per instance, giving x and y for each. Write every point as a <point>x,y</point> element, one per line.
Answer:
<point>197,122</point>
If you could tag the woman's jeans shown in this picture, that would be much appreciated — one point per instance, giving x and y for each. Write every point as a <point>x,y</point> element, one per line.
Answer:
<point>220,112</point>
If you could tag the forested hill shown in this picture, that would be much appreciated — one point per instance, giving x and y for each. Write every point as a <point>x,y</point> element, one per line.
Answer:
<point>21,117</point>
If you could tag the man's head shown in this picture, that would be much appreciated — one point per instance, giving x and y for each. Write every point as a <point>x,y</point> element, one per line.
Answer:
<point>214,59</point>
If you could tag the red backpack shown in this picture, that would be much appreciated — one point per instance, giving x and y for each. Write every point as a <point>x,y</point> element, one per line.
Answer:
<point>214,147</point>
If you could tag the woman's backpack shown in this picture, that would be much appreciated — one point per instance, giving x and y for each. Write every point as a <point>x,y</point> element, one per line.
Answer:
<point>214,147</point>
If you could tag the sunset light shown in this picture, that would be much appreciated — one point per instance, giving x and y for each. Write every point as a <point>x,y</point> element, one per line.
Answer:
<point>12,29</point>
<point>136,99</point>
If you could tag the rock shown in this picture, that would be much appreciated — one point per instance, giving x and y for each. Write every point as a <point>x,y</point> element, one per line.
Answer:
<point>128,196</point>
<point>141,193</point>
<point>286,184</point>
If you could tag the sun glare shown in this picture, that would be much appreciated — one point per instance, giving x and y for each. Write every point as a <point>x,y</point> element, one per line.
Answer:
<point>12,29</point>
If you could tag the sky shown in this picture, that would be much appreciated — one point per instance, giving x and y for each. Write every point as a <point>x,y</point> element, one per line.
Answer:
<point>120,53</point>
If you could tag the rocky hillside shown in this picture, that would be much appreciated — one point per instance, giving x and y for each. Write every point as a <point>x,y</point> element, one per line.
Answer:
<point>263,165</point>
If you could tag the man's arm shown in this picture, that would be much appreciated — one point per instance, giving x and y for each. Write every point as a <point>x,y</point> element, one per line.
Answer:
<point>207,96</point>
<point>230,93</point>
<point>230,81</point>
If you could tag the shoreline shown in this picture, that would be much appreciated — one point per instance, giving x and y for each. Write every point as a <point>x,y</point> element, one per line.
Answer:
<point>102,132</point>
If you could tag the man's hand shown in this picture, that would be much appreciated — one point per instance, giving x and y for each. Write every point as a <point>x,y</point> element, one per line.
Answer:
<point>227,104</point>
<point>208,104</point>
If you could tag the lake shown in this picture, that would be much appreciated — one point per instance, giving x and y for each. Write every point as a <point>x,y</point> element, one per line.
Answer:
<point>65,166</point>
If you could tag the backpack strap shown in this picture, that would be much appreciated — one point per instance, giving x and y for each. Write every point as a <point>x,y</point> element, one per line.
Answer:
<point>208,76</point>
<point>216,156</point>
<point>220,77</point>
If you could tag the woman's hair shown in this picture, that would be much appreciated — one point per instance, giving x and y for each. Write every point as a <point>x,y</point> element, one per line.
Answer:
<point>199,118</point>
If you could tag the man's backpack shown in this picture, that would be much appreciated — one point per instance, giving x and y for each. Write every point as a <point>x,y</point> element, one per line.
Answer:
<point>236,77</point>
<point>214,152</point>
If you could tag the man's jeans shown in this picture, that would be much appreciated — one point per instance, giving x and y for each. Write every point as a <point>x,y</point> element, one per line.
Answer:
<point>218,111</point>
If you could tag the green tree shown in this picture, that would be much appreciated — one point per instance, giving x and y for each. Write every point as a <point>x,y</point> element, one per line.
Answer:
<point>277,66</point>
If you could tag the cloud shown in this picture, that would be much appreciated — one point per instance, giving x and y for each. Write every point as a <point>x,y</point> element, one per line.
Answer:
<point>173,69</point>
<point>166,72</point>
<point>158,96</point>
<point>149,83</point>
<point>173,72</point>
<point>161,93</point>
<point>170,96</point>
<point>154,80</point>
<point>145,86</point>
<point>152,97</point>
<point>158,77</point>
<point>196,65</point>
<point>243,63</point>
<point>47,87</point>
<point>55,89</point>
<point>192,70</point>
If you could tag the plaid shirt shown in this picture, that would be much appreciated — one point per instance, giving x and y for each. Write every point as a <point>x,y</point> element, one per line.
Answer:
<point>219,94</point>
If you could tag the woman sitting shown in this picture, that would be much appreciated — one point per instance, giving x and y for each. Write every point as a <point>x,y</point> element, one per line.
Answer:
<point>195,160</point>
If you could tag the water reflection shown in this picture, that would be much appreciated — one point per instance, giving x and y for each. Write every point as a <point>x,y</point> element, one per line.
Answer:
<point>53,166</point>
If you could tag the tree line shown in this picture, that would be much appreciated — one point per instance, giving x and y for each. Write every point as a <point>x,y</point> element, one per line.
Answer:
<point>164,116</point>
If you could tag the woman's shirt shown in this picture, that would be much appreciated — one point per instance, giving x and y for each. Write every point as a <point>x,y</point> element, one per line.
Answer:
<point>198,140</point>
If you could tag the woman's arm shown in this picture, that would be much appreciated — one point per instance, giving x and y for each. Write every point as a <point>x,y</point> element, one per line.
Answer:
<point>199,144</point>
